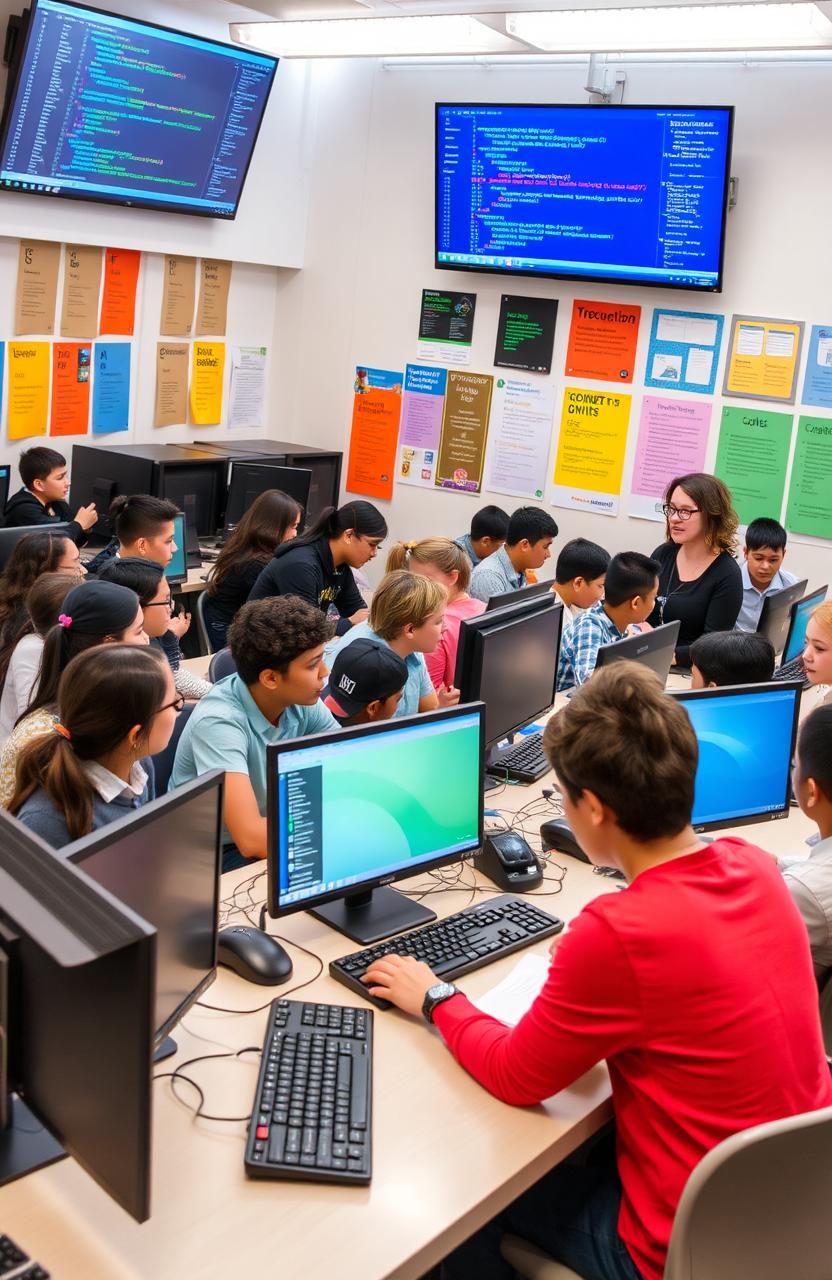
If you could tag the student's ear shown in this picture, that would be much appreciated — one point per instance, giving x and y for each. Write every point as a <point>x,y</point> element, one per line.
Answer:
<point>745,553</point>
<point>578,582</point>
<point>712,684</point>
<point>408,629</point>
<point>525,545</point>
<point>812,793</point>
<point>454,575</point>
<point>594,809</point>
<point>372,708</point>
<point>270,679</point>
<point>134,737</point>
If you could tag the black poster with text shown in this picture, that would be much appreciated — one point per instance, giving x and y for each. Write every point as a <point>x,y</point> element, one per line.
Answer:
<point>447,317</point>
<point>526,333</point>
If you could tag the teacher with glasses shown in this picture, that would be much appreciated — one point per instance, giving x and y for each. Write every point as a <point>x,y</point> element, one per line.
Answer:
<point>700,583</point>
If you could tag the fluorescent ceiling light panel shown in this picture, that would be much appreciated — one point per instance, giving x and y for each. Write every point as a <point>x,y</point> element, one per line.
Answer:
<point>374,37</point>
<point>706,28</point>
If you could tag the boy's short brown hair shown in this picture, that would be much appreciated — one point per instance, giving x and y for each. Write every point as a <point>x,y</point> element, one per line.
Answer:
<point>623,738</point>
<point>267,635</point>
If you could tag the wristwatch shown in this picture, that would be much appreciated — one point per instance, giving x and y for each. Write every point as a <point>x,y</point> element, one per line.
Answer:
<point>436,995</point>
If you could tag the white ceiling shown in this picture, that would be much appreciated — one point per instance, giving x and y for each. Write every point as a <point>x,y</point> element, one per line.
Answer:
<point>298,9</point>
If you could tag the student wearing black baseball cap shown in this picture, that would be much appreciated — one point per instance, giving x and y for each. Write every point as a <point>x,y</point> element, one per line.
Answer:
<point>365,684</point>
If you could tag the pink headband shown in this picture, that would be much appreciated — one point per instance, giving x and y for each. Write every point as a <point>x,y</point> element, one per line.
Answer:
<point>64,620</point>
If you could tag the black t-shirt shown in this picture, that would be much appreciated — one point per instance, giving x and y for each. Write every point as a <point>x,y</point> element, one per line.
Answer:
<point>309,572</point>
<point>710,602</point>
<point>233,591</point>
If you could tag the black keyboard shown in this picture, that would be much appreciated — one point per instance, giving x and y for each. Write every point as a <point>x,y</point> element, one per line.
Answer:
<point>13,1258</point>
<point>312,1111</point>
<point>473,937</point>
<point>792,671</point>
<point>524,762</point>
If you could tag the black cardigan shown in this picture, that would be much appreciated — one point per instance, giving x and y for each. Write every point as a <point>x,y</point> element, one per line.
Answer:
<point>309,572</point>
<point>710,602</point>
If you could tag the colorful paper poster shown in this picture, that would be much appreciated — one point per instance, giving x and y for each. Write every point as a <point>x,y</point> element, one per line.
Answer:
<point>247,392</point>
<point>817,383</point>
<point>519,437</point>
<point>809,509</point>
<point>763,358</point>
<point>672,441</point>
<point>70,414</point>
<point>602,341</point>
<point>421,427</point>
<point>751,458</point>
<point>82,285</point>
<point>591,448</point>
<point>207,373</point>
<point>684,351</point>
<point>171,402</point>
<point>121,278</point>
<point>464,431</point>
<point>111,387</point>
<point>446,326</point>
<point>526,333</point>
<point>28,389</point>
<point>212,308</point>
<point>376,409</point>
<point>178,292</point>
<point>37,286</point>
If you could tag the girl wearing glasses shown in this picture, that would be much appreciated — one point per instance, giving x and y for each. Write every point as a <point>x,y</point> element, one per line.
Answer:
<point>117,706</point>
<point>700,582</point>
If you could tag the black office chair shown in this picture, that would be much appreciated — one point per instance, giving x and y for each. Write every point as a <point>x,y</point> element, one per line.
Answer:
<point>222,665</point>
<point>163,760</point>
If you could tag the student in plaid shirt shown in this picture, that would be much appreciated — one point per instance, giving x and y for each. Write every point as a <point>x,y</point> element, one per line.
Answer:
<point>629,596</point>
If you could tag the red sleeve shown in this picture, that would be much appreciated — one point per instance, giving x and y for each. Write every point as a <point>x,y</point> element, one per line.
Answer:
<point>437,662</point>
<point>589,1009</point>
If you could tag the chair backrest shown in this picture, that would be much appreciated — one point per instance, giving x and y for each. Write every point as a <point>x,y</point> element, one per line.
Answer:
<point>758,1206</point>
<point>222,665</point>
<point>163,760</point>
<point>201,627</point>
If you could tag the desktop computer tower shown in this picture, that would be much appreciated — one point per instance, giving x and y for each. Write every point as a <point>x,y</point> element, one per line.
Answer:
<point>325,465</point>
<point>195,479</point>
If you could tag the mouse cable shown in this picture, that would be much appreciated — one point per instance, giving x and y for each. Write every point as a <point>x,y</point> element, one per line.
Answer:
<point>178,1074</point>
<point>217,1008</point>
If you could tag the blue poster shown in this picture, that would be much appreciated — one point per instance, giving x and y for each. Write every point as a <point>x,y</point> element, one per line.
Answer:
<point>817,383</point>
<point>684,351</point>
<point>111,388</point>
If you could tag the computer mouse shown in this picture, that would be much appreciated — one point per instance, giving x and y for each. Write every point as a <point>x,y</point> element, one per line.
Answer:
<point>254,955</point>
<point>557,834</point>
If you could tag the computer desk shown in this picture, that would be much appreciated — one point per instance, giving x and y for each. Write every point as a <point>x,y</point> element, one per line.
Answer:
<point>446,1155</point>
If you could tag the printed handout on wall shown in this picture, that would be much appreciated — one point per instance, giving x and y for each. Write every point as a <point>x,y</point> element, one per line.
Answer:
<point>247,393</point>
<point>519,437</point>
<point>684,351</point>
<point>809,509</point>
<point>121,278</point>
<point>763,358</point>
<point>672,441</point>
<point>376,409</point>
<point>446,326</point>
<point>602,341</point>
<point>70,389</point>
<point>28,389</point>
<point>111,387</point>
<point>82,285</point>
<point>37,286</point>
<point>207,373</point>
<point>817,384</point>
<point>422,404</point>
<point>591,448</point>
<point>751,458</point>
<point>464,431</point>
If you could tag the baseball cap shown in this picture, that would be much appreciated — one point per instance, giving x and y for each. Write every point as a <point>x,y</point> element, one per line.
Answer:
<point>362,671</point>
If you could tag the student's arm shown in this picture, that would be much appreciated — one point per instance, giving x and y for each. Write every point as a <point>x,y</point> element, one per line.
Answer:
<point>428,701</point>
<point>430,698</point>
<point>289,576</point>
<point>351,605</point>
<point>818,924</point>
<point>722,608</point>
<point>242,816</point>
<point>215,741</point>
<point>586,641</point>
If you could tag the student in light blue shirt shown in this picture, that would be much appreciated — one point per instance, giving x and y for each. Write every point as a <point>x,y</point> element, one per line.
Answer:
<point>630,590</point>
<point>762,574</point>
<point>531,532</point>
<point>278,647</point>
<point>489,527</point>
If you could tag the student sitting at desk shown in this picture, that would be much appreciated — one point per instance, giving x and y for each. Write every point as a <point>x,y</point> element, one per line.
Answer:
<point>44,602</point>
<point>317,566</point>
<point>810,881</point>
<point>42,500</point>
<point>278,648</point>
<point>531,532</point>
<point>446,563</point>
<point>629,595</point>
<point>272,520</point>
<point>580,574</point>
<point>762,571</point>
<point>143,527</point>
<point>489,527</point>
<point>701,1039</point>
<point>366,683</point>
<point>817,656</point>
<point>35,554</point>
<point>730,657</point>
<point>117,706</point>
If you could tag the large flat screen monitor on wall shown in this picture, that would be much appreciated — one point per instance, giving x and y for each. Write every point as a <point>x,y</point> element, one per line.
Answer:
<point>126,112</point>
<point>630,195</point>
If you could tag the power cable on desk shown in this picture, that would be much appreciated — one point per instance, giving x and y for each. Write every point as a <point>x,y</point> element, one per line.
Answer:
<point>179,1074</point>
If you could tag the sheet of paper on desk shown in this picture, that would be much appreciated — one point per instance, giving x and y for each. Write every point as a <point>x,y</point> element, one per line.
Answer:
<point>516,994</point>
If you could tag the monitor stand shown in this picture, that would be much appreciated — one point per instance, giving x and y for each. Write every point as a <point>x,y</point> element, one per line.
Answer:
<point>25,1144</point>
<point>369,917</point>
<point>165,1049</point>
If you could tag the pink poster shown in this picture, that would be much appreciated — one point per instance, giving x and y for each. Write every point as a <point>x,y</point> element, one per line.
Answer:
<point>421,424</point>
<point>672,440</point>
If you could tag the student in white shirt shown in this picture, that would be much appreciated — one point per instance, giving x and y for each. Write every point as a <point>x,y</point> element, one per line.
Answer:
<point>810,881</point>
<point>762,571</point>
<point>44,600</point>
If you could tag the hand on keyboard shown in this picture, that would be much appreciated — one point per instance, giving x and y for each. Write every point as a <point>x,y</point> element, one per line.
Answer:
<point>402,980</point>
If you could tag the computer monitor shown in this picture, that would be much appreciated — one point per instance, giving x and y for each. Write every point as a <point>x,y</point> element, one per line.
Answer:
<point>653,649</point>
<point>9,538</point>
<point>5,481</point>
<point>466,648</point>
<point>800,613</point>
<point>163,861</point>
<point>199,491</point>
<point>76,1002</point>
<point>520,595</point>
<point>100,473</point>
<point>350,812</point>
<point>250,479</point>
<point>775,613</point>
<point>176,569</point>
<point>746,736</point>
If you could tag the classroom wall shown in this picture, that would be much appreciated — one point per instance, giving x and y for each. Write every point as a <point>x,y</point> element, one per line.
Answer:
<point>369,249</point>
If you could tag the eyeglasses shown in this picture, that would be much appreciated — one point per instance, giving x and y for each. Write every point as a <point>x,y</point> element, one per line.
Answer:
<point>375,543</point>
<point>160,604</point>
<point>177,704</point>
<point>679,513</point>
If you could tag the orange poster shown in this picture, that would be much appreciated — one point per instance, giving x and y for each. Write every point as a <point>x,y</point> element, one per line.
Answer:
<point>70,389</point>
<point>602,341</point>
<point>118,304</point>
<point>377,407</point>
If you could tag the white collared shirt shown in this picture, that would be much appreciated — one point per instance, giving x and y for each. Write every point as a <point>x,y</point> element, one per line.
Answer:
<point>810,884</point>
<point>109,786</point>
<point>752,599</point>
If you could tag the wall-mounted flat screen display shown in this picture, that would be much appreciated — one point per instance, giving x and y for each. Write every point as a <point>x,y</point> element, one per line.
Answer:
<point>630,195</point>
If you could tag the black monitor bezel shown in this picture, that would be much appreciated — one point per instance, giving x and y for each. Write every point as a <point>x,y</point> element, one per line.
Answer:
<point>612,652</point>
<point>5,479</point>
<point>480,641</point>
<point>775,604</point>
<point>239,466</point>
<point>59,528</point>
<point>466,645</point>
<point>154,205</point>
<point>529,592</point>
<point>593,279</point>
<point>725,691</point>
<point>397,723</point>
<point>819,595</point>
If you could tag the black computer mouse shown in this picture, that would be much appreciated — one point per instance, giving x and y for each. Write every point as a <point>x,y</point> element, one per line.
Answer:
<point>254,955</point>
<point>557,834</point>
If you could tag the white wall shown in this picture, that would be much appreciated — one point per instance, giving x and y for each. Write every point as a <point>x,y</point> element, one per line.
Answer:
<point>370,247</point>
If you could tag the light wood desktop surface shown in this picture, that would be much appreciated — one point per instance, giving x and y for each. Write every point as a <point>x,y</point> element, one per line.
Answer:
<point>446,1155</point>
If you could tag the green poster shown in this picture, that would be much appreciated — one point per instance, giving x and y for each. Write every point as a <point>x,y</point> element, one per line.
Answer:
<point>809,508</point>
<point>751,458</point>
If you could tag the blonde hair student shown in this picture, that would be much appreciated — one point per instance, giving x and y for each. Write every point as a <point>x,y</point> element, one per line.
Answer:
<point>817,655</point>
<point>445,562</point>
<point>407,614</point>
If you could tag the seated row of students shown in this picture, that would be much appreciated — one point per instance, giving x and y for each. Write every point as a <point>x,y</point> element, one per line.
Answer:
<point>529,537</point>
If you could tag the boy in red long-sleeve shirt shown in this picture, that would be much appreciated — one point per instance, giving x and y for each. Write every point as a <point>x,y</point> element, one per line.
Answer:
<point>695,984</point>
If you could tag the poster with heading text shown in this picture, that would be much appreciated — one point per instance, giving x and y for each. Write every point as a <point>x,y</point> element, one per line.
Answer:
<point>446,326</point>
<point>591,447</point>
<point>684,351</point>
<point>809,510</point>
<point>602,341</point>
<point>519,437</point>
<point>70,414</point>
<point>464,431</point>
<point>763,358</point>
<point>28,389</point>
<point>672,441</point>
<point>422,403</point>
<point>751,458</point>
<point>376,410</point>
<point>817,381</point>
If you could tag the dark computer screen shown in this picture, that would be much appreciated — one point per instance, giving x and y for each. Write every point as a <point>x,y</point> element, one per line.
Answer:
<point>5,478</point>
<point>466,672</point>
<point>122,111</point>
<point>634,195</point>
<point>746,738</point>
<point>9,538</point>
<point>653,649</point>
<point>801,612</point>
<point>775,614</point>
<point>199,491</point>
<point>176,570</point>
<point>517,670</point>
<point>250,479</point>
<point>520,595</point>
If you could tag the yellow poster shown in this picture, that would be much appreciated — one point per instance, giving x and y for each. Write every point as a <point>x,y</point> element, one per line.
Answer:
<point>763,358</point>
<point>28,389</point>
<point>591,447</point>
<point>207,369</point>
